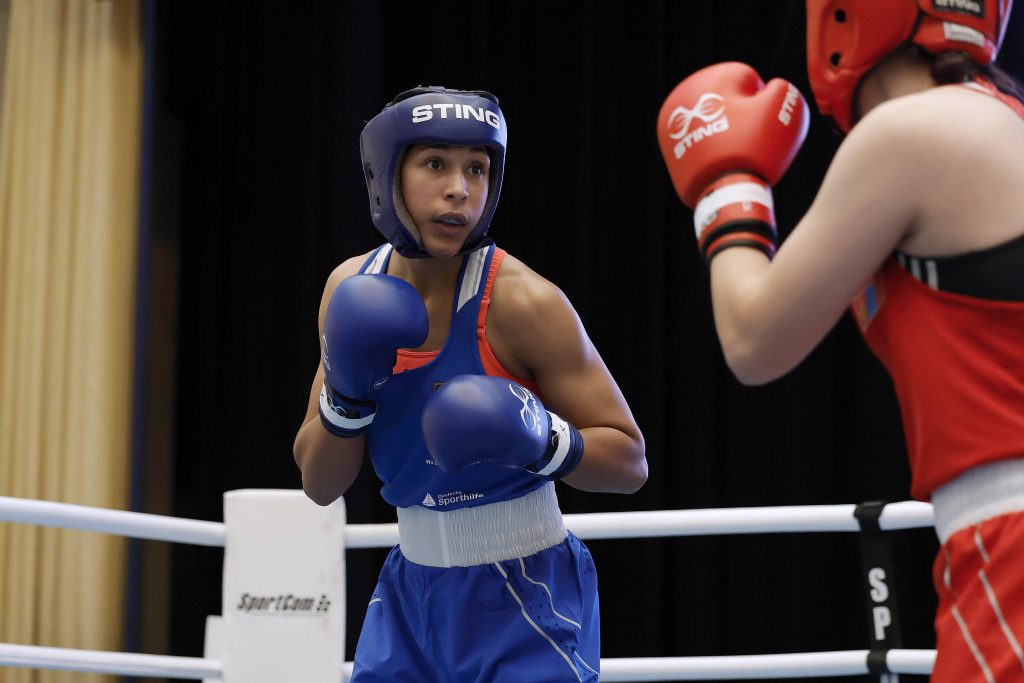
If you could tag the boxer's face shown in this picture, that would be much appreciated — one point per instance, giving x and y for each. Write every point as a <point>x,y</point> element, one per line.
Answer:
<point>444,188</point>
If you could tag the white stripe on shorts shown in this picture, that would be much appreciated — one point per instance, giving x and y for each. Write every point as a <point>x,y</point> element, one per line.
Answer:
<point>978,657</point>
<point>994,601</point>
<point>538,629</point>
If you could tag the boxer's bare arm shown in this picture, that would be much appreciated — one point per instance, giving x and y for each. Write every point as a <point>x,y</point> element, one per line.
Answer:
<point>329,464</point>
<point>535,330</point>
<point>769,315</point>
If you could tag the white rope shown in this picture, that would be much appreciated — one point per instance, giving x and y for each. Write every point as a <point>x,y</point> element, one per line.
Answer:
<point>658,523</point>
<point>120,522</point>
<point>911,661</point>
<point>371,535</point>
<point>123,663</point>
<point>803,665</point>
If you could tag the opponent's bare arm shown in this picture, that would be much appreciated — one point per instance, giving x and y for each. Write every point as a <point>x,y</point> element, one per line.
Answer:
<point>769,316</point>
<point>329,463</point>
<point>537,334</point>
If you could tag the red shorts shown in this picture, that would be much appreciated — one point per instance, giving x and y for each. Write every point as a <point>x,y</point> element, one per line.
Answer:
<point>979,576</point>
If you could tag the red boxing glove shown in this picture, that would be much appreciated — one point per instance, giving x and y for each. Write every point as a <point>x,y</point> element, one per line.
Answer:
<point>726,138</point>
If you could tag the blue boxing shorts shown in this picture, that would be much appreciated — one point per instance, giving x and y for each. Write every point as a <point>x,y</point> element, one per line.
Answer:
<point>533,618</point>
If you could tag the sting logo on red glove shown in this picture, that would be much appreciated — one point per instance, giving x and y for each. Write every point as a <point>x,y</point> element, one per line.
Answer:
<point>726,137</point>
<point>710,109</point>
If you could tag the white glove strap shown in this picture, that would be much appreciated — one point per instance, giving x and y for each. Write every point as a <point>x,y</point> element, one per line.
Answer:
<point>340,421</point>
<point>561,429</point>
<point>738,193</point>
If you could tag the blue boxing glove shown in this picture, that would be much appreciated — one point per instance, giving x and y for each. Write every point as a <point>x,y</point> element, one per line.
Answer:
<point>368,318</point>
<point>476,419</point>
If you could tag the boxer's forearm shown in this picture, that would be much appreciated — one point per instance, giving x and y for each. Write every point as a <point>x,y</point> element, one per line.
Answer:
<point>329,463</point>
<point>613,462</point>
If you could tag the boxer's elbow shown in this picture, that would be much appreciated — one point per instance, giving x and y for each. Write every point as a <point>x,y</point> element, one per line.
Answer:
<point>317,489</point>
<point>323,486</point>
<point>321,499</point>
<point>751,361</point>
<point>632,471</point>
<point>636,477</point>
<point>638,469</point>
<point>327,470</point>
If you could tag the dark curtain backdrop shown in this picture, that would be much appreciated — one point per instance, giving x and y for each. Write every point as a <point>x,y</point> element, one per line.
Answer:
<point>260,105</point>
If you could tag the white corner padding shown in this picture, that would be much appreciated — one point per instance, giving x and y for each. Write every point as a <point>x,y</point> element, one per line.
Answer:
<point>283,611</point>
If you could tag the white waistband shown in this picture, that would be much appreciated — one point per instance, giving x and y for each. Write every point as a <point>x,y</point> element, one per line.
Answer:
<point>978,494</point>
<point>483,534</point>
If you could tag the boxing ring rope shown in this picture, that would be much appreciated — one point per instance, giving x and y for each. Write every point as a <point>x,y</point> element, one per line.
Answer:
<point>120,663</point>
<point>808,665</point>
<point>118,522</point>
<point>595,525</point>
<point>664,523</point>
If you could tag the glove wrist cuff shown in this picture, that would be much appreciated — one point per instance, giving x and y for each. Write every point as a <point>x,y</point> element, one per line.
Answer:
<point>343,416</point>
<point>736,210</point>
<point>564,451</point>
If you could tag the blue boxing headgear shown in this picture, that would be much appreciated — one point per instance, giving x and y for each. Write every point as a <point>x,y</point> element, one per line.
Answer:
<point>428,114</point>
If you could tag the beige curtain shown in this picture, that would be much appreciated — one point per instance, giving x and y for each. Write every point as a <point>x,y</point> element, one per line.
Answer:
<point>69,148</point>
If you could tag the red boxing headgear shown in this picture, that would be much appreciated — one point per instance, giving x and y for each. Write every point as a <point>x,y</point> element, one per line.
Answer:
<point>846,38</point>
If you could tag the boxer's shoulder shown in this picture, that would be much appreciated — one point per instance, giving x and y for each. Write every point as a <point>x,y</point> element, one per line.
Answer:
<point>529,316</point>
<point>943,120</point>
<point>343,271</point>
<point>520,295</point>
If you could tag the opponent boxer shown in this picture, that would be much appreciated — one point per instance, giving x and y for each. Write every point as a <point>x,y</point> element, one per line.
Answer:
<point>922,204</point>
<point>472,384</point>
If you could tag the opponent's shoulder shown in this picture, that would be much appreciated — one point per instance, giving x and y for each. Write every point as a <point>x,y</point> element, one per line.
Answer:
<point>900,128</point>
<point>936,124</point>
<point>905,146</point>
<point>967,108</point>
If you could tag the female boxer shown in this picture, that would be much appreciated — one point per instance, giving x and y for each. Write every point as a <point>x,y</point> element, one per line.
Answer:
<point>436,351</point>
<point>919,223</point>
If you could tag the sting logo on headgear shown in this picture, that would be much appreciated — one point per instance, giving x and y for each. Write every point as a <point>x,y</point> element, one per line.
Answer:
<point>425,112</point>
<point>710,109</point>
<point>973,8</point>
<point>429,114</point>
